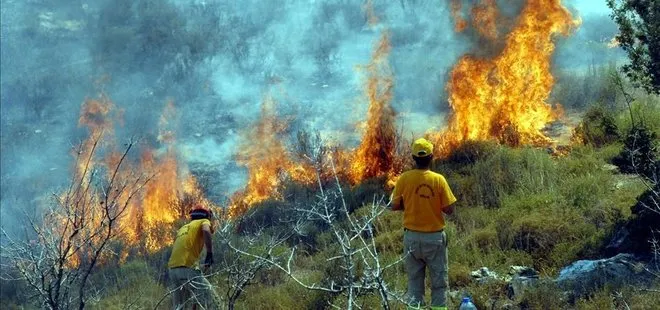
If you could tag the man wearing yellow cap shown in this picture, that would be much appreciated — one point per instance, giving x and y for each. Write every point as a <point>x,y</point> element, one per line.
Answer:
<point>424,197</point>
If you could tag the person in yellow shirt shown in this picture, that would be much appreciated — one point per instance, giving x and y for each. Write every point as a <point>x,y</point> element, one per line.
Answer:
<point>424,197</point>
<point>188,283</point>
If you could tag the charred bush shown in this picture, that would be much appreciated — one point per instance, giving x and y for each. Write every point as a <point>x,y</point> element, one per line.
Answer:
<point>467,154</point>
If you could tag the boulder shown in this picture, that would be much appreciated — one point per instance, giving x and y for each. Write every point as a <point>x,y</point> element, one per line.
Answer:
<point>521,279</point>
<point>484,275</point>
<point>635,235</point>
<point>586,276</point>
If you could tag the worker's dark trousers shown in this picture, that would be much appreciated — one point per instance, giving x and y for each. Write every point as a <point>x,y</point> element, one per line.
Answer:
<point>426,250</point>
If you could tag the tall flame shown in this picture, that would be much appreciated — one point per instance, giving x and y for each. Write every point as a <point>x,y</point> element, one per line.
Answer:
<point>505,98</point>
<point>375,154</point>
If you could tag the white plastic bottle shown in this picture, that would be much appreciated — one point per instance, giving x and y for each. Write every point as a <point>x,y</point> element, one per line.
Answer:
<point>467,304</point>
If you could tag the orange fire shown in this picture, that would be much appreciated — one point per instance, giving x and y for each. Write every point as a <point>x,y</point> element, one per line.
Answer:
<point>505,98</point>
<point>375,154</point>
<point>147,223</point>
<point>267,160</point>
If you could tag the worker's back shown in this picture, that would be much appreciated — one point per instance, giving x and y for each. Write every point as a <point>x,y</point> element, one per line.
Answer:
<point>424,194</point>
<point>188,244</point>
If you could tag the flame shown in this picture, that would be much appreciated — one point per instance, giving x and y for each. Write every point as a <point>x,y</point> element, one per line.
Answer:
<point>368,7</point>
<point>613,43</point>
<point>267,161</point>
<point>147,223</point>
<point>505,98</point>
<point>375,154</point>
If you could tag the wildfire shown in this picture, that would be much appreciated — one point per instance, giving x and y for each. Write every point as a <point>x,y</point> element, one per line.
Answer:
<point>267,161</point>
<point>375,154</point>
<point>505,98</point>
<point>147,222</point>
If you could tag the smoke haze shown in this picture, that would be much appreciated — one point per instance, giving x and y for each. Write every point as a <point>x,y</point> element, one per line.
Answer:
<point>216,61</point>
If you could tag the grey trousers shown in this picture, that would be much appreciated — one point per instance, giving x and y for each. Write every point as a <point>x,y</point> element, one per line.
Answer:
<point>190,288</point>
<point>426,250</point>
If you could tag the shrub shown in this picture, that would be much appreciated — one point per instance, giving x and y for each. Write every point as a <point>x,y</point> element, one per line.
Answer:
<point>509,171</point>
<point>640,153</point>
<point>597,127</point>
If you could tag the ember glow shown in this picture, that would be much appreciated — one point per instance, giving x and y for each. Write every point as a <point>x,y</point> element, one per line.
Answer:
<point>504,98</point>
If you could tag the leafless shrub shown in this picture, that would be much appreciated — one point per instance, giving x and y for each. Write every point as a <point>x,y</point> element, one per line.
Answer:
<point>358,261</point>
<point>59,250</point>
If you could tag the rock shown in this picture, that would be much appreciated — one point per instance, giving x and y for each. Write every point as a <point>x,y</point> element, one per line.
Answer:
<point>523,271</point>
<point>635,235</point>
<point>519,285</point>
<point>522,278</point>
<point>611,168</point>
<point>586,276</point>
<point>484,275</point>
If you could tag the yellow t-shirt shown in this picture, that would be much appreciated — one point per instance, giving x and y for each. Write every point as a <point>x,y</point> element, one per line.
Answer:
<point>188,244</point>
<point>424,194</point>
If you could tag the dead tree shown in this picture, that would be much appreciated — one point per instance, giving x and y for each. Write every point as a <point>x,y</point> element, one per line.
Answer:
<point>60,249</point>
<point>362,271</point>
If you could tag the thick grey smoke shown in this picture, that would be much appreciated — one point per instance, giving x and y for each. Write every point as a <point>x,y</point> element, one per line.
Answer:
<point>216,60</point>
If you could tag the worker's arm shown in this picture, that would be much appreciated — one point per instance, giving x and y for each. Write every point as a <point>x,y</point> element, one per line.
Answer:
<point>449,210</point>
<point>396,200</point>
<point>397,204</point>
<point>208,243</point>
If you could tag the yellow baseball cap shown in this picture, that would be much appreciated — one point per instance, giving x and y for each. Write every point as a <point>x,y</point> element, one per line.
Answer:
<point>422,148</point>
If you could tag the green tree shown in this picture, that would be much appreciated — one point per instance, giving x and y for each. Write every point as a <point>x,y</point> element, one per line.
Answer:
<point>639,36</point>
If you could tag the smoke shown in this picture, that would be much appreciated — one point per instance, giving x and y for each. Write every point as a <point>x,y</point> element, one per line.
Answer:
<point>216,60</point>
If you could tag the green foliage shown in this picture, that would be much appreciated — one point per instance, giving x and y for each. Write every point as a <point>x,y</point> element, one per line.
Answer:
<point>644,110</point>
<point>580,89</point>
<point>640,153</point>
<point>508,171</point>
<point>545,296</point>
<point>639,36</point>
<point>516,207</point>
<point>598,127</point>
<point>133,283</point>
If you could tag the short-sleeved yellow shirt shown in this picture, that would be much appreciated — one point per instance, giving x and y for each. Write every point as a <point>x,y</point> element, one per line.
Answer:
<point>188,244</point>
<point>424,194</point>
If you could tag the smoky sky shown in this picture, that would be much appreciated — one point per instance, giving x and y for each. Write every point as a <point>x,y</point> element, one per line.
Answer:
<point>216,61</point>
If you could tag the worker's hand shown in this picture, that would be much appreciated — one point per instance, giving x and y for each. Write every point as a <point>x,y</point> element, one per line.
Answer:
<point>209,259</point>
